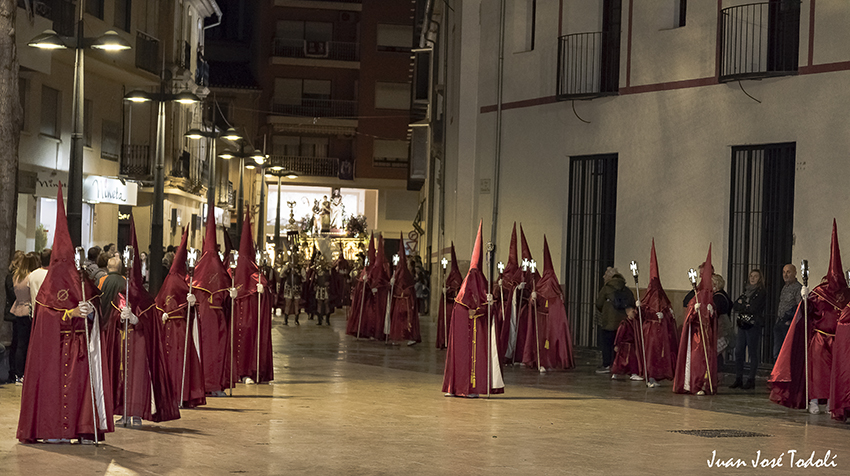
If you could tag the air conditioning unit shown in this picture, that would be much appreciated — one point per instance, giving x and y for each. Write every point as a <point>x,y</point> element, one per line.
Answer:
<point>347,17</point>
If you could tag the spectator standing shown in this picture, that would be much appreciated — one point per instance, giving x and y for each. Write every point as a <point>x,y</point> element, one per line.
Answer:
<point>789,299</point>
<point>750,309</point>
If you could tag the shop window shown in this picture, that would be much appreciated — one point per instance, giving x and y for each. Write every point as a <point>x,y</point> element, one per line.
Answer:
<point>50,107</point>
<point>392,95</point>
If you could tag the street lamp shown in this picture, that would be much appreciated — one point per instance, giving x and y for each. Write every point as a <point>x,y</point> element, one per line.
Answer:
<point>157,210</point>
<point>50,40</point>
<point>213,133</point>
<point>244,151</point>
<point>276,169</point>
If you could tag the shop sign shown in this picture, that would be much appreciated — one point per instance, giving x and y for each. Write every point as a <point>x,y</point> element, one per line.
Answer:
<point>48,182</point>
<point>99,189</point>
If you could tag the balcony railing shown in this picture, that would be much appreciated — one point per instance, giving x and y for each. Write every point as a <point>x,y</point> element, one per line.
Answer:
<point>136,161</point>
<point>147,53</point>
<point>317,108</point>
<point>61,12</point>
<point>588,65</point>
<point>334,50</point>
<point>760,40</point>
<point>307,166</point>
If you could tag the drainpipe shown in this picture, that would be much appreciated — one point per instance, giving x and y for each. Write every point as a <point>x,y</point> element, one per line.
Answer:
<point>498,146</point>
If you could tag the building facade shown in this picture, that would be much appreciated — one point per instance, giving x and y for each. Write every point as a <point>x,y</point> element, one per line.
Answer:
<point>605,124</point>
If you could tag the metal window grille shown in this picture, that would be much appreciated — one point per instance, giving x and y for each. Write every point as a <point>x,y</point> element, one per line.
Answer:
<point>147,53</point>
<point>761,220</point>
<point>591,224</point>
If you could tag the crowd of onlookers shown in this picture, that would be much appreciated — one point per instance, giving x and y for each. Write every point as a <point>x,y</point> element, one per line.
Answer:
<point>27,272</point>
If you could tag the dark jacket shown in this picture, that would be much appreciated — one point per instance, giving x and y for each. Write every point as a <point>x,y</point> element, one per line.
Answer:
<point>610,318</point>
<point>753,306</point>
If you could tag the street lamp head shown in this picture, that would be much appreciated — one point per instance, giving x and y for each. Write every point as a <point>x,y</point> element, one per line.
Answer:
<point>250,166</point>
<point>277,168</point>
<point>194,134</point>
<point>258,157</point>
<point>48,40</point>
<point>231,134</point>
<point>137,96</point>
<point>111,41</point>
<point>186,98</point>
<point>291,175</point>
<point>226,155</point>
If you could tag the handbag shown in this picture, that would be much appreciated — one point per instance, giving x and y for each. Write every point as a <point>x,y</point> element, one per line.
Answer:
<point>746,321</point>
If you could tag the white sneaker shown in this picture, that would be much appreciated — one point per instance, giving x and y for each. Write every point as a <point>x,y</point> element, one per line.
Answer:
<point>57,440</point>
<point>411,342</point>
<point>653,383</point>
<point>814,409</point>
<point>248,381</point>
<point>137,421</point>
<point>701,393</point>
<point>636,377</point>
<point>613,376</point>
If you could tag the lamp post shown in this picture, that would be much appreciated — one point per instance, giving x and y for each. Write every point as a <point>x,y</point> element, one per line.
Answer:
<point>212,134</point>
<point>157,209</point>
<point>277,170</point>
<point>109,41</point>
<point>243,152</point>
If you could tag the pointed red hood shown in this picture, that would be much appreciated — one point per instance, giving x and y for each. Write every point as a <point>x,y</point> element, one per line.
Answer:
<point>473,291</point>
<point>512,275</point>
<point>526,255</point>
<point>370,254</point>
<point>175,287</point>
<point>548,287</point>
<point>378,274</point>
<point>228,244</point>
<point>835,280</point>
<point>454,279</point>
<point>210,273</point>
<point>654,299</point>
<point>704,289</point>
<point>61,287</point>
<point>403,278</point>
<point>140,299</point>
<point>245,275</point>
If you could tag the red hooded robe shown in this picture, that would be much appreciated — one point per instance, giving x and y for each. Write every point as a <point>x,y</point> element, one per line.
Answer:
<point>509,298</point>
<point>150,392</point>
<point>374,312</point>
<point>211,287</point>
<point>245,279</point>
<point>452,285</point>
<point>354,324</point>
<point>825,304</point>
<point>472,356</point>
<point>695,372</point>
<point>549,328</point>
<point>659,326</point>
<point>404,313</point>
<point>171,304</point>
<point>56,399</point>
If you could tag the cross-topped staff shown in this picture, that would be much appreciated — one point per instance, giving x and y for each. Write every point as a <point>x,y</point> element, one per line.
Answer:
<point>128,265</point>
<point>79,254</point>
<point>388,313</point>
<point>491,249</point>
<point>501,267</point>
<point>634,267</point>
<point>363,293</point>
<point>444,262</point>
<point>262,257</point>
<point>232,261</point>
<point>804,269</point>
<point>191,260</point>
<point>692,275</point>
<point>533,265</point>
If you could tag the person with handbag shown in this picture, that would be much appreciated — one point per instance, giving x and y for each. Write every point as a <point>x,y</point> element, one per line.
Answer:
<point>22,310</point>
<point>750,308</point>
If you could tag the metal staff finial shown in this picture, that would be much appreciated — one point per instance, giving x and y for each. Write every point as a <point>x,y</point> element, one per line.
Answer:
<point>634,267</point>
<point>501,267</point>
<point>444,262</point>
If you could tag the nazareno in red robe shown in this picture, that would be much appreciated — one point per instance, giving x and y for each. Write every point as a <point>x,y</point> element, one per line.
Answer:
<point>247,318</point>
<point>56,398</point>
<point>659,326</point>
<point>825,303</point>
<point>404,314</point>
<point>354,325</point>
<point>509,299</point>
<point>447,303</point>
<point>150,394</point>
<point>524,306</point>
<point>839,395</point>
<point>628,357</point>
<point>694,372</point>
<point>375,305</point>
<point>212,290</point>
<point>472,356</point>
<point>548,329</point>
<point>172,306</point>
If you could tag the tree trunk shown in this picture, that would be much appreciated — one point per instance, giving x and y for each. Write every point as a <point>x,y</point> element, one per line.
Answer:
<point>10,134</point>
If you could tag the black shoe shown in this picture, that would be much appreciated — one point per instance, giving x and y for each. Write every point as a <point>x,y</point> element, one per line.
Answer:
<point>328,320</point>
<point>285,320</point>
<point>319,322</point>
<point>737,384</point>
<point>749,385</point>
<point>296,321</point>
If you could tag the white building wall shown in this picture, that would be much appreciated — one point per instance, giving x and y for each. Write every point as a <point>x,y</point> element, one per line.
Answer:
<point>674,145</point>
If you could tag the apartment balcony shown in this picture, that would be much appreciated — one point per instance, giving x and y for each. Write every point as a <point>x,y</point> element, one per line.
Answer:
<point>308,107</point>
<point>61,12</point>
<point>147,53</point>
<point>307,166</point>
<point>331,50</point>
<point>344,5</point>
<point>760,40</point>
<point>588,65</point>
<point>135,162</point>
